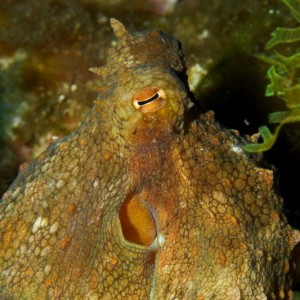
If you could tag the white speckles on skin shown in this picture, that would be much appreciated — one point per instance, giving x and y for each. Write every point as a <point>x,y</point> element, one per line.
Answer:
<point>23,249</point>
<point>262,297</point>
<point>237,149</point>
<point>39,276</point>
<point>219,197</point>
<point>182,204</point>
<point>53,228</point>
<point>75,171</point>
<point>73,183</point>
<point>29,189</point>
<point>45,251</point>
<point>235,293</point>
<point>47,269</point>
<point>39,223</point>
<point>93,221</point>
<point>44,204</point>
<point>51,184</point>
<point>165,269</point>
<point>5,273</point>
<point>60,184</point>
<point>172,296</point>
<point>130,61</point>
<point>96,183</point>
<point>53,158</point>
<point>31,239</point>
<point>111,187</point>
<point>45,167</point>
<point>16,192</point>
<point>9,206</point>
<point>118,182</point>
<point>72,165</point>
<point>37,251</point>
<point>161,239</point>
<point>130,57</point>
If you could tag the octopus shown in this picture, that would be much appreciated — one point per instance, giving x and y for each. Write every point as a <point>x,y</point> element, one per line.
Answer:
<point>147,199</point>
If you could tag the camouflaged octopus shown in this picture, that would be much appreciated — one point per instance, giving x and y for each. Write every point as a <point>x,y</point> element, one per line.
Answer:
<point>146,200</point>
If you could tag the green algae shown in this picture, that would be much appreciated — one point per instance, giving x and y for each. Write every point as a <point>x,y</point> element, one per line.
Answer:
<point>284,81</point>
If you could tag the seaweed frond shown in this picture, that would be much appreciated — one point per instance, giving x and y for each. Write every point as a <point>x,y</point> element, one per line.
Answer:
<point>284,81</point>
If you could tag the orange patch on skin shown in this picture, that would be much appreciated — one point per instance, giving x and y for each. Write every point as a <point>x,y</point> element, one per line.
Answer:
<point>276,216</point>
<point>226,182</point>
<point>107,155</point>
<point>65,243</point>
<point>101,106</point>
<point>23,166</point>
<point>22,231</point>
<point>71,208</point>
<point>113,261</point>
<point>103,89</point>
<point>210,115</point>
<point>214,140</point>
<point>208,156</point>
<point>286,266</point>
<point>63,146</point>
<point>281,294</point>
<point>243,247</point>
<point>239,184</point>
<point>211,215</point>
<point>78,273</point>
<point>266,176</point>
<point>232,219</point>
<point>223,259</point>
<point>194,251</point>
<point>48,282</point>
<point>83,142</point>
<point>94,279</point>
<point>6,239</point>
<point>201,297</point>
<point>42,156</point>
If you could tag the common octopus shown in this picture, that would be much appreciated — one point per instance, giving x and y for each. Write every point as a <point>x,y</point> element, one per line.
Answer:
<point>146,199</point>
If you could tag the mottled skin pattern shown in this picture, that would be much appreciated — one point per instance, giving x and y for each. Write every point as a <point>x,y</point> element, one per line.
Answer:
<point>216,228</point>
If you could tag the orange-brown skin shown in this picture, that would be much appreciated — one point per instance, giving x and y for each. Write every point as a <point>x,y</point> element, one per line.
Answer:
<point>145,200</point>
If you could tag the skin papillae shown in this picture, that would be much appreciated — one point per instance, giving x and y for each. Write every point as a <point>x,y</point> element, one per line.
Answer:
<point>146,200</point>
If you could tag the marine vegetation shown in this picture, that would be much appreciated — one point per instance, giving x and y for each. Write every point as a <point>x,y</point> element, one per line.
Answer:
<point>284,81</point>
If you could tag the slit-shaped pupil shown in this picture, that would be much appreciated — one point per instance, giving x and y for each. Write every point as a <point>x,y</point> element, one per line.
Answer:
<point>148,100</point>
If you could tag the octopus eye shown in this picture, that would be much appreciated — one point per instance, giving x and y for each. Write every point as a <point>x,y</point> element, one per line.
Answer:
<point>149,99</point>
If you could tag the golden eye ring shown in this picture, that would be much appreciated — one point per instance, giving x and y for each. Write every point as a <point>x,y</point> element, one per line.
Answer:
<point>149,99</point>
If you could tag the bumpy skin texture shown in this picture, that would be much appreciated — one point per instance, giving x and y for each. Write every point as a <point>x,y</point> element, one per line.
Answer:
<point>216,226</point>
